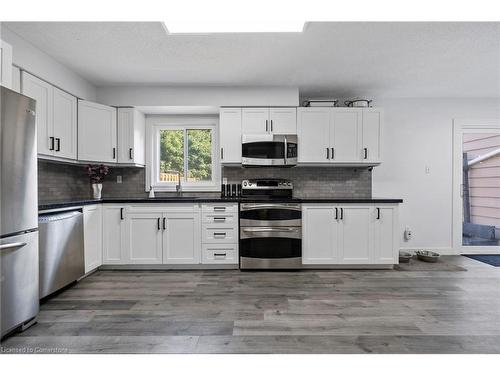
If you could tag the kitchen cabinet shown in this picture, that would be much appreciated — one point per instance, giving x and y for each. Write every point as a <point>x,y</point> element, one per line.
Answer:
<point>143,244</point>
<point>339,136</point>
<point>114,234</point>
<point>349,234</point>
<point>97,132</point>
<point>182,238</point>
<point>269,120</point>
<point>56,117</point>
<point>131,136</point>
<point>5,64</point>
<point>92,236</point>
<point>230,135</point>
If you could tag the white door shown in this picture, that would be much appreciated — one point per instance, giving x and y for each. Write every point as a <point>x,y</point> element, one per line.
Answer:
<point>113,229</point>
<point>476,186</point>
<point>283,120</point>
<point>356,233</point>
<point>313,130</point>
<point>255,120</point>
<point>96,132</point>
<point>41,91</point>
<point>345,132</point>
<point>144,238</point>
<point>182,238</point>
<point>386,242</point>
<point>230,135</point>
<point>319,234</point>
<point>92,231</point>
<point>371,134</point>
<point>64,120</point>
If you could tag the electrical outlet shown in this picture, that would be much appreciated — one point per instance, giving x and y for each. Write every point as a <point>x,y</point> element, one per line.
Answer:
<point>408,234</point>
<point>119,179</point>
<point>427,169</point>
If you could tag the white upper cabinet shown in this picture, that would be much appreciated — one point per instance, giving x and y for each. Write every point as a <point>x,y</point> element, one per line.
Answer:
<point>97,139</point>
<point>131,136</point>
<point>313,133</point>
<point>269,120</point>
<point>230,135</point>
<point>5,64</point>
<point>65,124</point>
<point>56,117</point>
<point>345,136</point>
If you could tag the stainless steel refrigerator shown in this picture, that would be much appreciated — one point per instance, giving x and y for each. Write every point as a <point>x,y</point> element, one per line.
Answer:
<point>18,212</point>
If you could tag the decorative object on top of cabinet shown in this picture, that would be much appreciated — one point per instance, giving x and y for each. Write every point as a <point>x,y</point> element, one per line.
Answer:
<point>5,64</point>
<point>131,136</point>
<point>358,103</point>
<point>230,135</point>
<point>56,119</point>
<point>320,103</point>
<point>279,120</point>
<point>97,129</point>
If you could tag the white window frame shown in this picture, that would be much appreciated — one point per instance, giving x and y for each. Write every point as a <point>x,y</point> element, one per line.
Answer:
<point>154,125</point>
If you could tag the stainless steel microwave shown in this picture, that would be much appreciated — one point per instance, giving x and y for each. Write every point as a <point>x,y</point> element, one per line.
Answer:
<point>269,150</point>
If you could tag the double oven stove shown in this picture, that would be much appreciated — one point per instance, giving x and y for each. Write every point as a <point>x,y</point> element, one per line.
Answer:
<point>270,226</point>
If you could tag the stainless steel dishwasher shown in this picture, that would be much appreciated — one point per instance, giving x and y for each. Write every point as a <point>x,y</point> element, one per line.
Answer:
<point>61,250</point>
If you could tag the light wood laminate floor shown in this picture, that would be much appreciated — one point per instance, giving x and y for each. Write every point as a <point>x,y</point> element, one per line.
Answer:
<point>229,311</point>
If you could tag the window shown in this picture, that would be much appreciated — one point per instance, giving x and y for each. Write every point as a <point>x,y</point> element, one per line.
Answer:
<point>187,151</point>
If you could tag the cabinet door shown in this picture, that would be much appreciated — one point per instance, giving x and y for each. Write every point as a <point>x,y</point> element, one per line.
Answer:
<point>64,122</point>
<point>386,243</point>
<point>230,135</point>
<point>345,135</point>
<point>92,231</point>
<point>125,135</point>
<point>113,229</point>
<point>283,120</point>
<point>96,132</point>
<point>144,238</point>
<point>313,129</point>
<point>255,120</point>
<point>319,237</point>
<point>371,134</point>
<point>355,237</point>
<point>41,91</point>
<point>182,238</point>
<point>5,64</point>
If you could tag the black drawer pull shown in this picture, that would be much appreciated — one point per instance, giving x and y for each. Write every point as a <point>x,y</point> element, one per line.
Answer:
<point>219,208</point>
<point>219,254</point>
<point>219,218</point>
<point>219,234</point>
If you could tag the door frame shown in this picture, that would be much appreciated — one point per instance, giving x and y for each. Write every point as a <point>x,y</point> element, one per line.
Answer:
<point>461,126</point>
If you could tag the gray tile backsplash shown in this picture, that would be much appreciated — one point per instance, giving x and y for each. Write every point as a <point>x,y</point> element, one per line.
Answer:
<point>66,182</point>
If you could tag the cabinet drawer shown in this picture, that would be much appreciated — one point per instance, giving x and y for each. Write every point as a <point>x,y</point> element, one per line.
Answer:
<point>224,219</point>
<point>220,254</point>
<point>219,208</point>
<point>219,234</point>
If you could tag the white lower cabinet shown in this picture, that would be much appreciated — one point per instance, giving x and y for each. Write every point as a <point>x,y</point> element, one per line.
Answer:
<point>114,235</point>
<point>143,244</point>
<point>92,236</point>
<point>349,234</point>
<point>182,238</point>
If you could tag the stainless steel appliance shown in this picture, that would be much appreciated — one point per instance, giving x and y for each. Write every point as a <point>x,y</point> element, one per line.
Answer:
<point>269,150</point>
<point>270,226</point>
<point>19,301</point>
<point>61,250</point>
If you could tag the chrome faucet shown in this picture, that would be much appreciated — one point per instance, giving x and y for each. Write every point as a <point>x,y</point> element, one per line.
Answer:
<point>178,187</point>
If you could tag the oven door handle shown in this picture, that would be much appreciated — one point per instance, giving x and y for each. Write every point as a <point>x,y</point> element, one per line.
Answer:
<point>271,229</point>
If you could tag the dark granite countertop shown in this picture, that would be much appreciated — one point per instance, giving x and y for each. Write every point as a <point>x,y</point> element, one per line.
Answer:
<point>51,205</point>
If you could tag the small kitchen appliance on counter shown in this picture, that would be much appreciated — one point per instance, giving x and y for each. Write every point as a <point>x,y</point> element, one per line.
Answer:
<point>270,226</point>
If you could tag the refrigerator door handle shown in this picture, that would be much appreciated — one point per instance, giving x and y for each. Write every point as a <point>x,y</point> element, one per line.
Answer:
<point>12,245</point>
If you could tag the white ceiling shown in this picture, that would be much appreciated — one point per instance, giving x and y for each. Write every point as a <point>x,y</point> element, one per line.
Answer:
<point>338,59</point>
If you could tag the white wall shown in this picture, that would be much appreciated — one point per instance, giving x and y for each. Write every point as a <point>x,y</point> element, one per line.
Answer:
<point>418,133</point>
<point>42,65</point>
<point>197,96</point>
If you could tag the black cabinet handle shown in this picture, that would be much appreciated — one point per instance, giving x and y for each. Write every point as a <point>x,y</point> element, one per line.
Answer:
<point>51,143</point>
<point>158,224</point>
<point>219,254</point>
<point>164,223</point>
<point>130,153</point>
<point>121,213</point>
<point>341,214</point>
<point>336,213</point>
<point>58,140</point>
<point>378,213</point>
<point>271,125</point>
<point>219,234</point>
<point>333,153</point>
<point>114,152</point>
<point>267,122</point>
<point>221,153</point>
<point>365,150</point>
<point>327,153</point>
